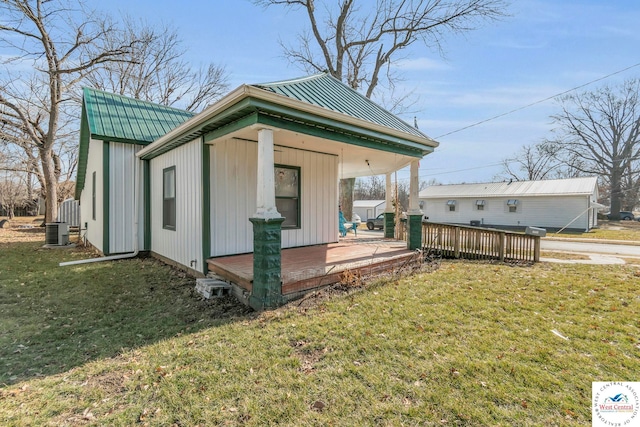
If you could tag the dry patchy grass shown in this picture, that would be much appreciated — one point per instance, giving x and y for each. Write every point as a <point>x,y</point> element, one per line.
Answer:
<point>468,344</point>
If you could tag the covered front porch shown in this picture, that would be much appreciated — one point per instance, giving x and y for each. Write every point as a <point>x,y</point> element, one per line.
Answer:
<point>307,268</point>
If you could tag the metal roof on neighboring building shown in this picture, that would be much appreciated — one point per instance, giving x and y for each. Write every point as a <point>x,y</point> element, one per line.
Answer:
<point>119,118</point>
<point>551,187</point>
<point>367,203</point>
<point>328,92</point>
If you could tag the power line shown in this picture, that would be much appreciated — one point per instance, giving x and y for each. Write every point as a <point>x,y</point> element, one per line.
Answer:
<point>537,102</point>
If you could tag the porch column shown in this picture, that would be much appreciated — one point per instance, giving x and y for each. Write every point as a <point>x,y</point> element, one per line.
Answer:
<point>414,215</point>
<point>389,214</point>
<point>266,292</point>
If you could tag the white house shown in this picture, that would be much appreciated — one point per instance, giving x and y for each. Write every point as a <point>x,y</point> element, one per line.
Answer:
<point>556,203</point>
<point>368,208</point>
<point>255,172</point>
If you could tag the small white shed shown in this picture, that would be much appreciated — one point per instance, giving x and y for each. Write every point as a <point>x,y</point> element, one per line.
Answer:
<point>368,208</point>
<point>555,203</point>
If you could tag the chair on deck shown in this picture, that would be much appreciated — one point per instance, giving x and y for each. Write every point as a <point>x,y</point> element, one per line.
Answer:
<point>345,226</point>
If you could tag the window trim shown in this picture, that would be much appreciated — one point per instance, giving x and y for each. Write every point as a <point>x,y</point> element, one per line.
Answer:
<point>165,221</point>
<point>480,204</point>
<point>451,205</point>
<point>512,205</point>
<point>298,196</point>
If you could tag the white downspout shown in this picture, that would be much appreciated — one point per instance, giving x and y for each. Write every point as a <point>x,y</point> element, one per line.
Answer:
<point>136,173</point>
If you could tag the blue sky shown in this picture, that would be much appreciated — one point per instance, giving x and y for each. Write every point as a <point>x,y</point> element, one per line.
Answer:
<point>543,48</point>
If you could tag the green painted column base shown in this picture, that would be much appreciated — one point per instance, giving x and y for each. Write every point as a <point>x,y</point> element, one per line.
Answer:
<point>389,225</point>
<point>414,232</point>
<point>267,262</point>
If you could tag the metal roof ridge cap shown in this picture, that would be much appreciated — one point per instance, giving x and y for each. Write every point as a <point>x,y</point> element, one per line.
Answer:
<point>325,112</point>
<point>233,96</point>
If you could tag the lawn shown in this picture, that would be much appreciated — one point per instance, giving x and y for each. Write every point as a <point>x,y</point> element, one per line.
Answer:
<point>129,343</point>
<point>628,231</point>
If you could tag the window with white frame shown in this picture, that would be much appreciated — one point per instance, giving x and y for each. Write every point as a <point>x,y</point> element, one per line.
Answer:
<point>480,205</point>
<point>169,198</point>
<point>512,204</point>
<point>287,180</point>
<point>452,205</point>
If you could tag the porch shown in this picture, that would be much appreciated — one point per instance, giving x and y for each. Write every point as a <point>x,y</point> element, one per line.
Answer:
<point>307,268</point>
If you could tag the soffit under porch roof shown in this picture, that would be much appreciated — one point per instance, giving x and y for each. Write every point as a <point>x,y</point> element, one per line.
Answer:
<point>355,161</point>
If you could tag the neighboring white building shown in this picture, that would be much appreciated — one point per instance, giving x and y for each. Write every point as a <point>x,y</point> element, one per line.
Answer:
<point>556,203</point>
<point>368,208</point>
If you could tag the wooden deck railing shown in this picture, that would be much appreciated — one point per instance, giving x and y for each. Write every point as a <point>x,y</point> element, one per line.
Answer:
<point>458,241</point>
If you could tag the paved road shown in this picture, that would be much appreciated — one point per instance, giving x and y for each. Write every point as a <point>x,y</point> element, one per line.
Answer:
<point>597,248</point>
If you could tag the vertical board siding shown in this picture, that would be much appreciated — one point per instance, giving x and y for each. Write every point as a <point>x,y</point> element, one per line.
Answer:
<point>184,244</point>
<point>93,232</point>
<point>233,196</point>
<point>319,193</point>
<point>553,212</point>
<point>122,197</point>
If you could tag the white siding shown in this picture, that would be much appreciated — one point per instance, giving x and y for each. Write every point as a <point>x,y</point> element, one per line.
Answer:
<point>122,182</point>
<point>546,212</point>
<point>319,194</point>
<point>184,244</point>
<point>233,196</point>
<point>94,228</point>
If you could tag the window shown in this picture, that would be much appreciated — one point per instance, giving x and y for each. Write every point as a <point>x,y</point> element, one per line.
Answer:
<point>513,205</point>
<point>452,205</point>
<point>169,198</point>
<point>287,179</point>
<point>480,205</point>
<point>93,195</point>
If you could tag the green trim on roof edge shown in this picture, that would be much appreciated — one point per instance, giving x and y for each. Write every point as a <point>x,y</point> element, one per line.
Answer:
<point>251,111</point>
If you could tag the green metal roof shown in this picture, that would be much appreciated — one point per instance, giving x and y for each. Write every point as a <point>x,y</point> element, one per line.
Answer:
<point>110,117</point>
<point>119,118</point>
<point>328,92</point>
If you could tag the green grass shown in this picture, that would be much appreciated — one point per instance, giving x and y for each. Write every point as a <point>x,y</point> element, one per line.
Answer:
<point>609,230</point>
<point>469,344</point>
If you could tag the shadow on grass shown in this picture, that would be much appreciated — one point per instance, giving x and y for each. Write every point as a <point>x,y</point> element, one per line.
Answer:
<point>55,318</point>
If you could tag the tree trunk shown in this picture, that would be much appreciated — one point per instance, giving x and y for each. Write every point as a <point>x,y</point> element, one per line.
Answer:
<point>346,197</point>
<point>616,192</point>
<point>51,187</point>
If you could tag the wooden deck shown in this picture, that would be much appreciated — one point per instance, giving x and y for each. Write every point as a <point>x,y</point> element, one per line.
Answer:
<point>311,267</point>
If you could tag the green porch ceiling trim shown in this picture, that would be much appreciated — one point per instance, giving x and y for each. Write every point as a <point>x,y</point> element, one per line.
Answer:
<point>106,164</point>
<point>244,122</point>
<point>206,205</point>
<point>146,188</point>
<point>305,117</point>
<point>335,135</point>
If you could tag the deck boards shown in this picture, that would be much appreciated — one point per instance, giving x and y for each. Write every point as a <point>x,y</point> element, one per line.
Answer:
<point>314,266</point>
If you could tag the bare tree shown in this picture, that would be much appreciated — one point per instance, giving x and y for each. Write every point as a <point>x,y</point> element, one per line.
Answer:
<point>370,188</point>
<point>54,45</point>
<point>602,130</point>
<point>13,193</point>
<point>155,70</point>
<point>358,43</point>
<point>533,162</point>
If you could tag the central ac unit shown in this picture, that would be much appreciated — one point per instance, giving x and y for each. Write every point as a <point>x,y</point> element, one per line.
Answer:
<point>57,233</point>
